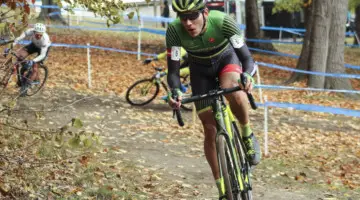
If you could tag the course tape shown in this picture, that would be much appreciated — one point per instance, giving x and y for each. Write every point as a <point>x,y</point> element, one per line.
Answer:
<point>337,75</point>
<point>129,29</point>
<point>272,41</point>
<point>274,53</point>
<point>353,45</point>
<point>272,28</point>
<point>295,56</point>
<point>99,47</point>
<point>276,87</point>
<point>24,42</point>
<point>56,7</point>
<point>155,31</point>
<point>290,30</point>
<point>311,107</point>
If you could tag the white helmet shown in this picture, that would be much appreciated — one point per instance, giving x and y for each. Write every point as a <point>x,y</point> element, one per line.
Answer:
<point>40,28</point>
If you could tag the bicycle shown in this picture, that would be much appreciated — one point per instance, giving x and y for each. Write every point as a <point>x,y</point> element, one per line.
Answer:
<point>233,163</point>
<point>145,90</point>
<point>9,68</point>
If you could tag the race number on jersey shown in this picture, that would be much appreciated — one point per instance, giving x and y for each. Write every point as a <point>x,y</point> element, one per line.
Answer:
<point>237,41</point>
<point>175,53</point>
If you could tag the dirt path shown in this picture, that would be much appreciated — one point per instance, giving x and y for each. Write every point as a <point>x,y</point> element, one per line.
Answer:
<point>150,139</point>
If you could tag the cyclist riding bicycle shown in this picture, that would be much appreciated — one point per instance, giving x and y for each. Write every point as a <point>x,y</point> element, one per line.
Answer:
<point>184,63</point>
<point>40,44</point>
<point>216,48</point>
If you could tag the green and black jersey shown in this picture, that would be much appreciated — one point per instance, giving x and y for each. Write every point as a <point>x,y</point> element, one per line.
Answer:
<point>221,31</point>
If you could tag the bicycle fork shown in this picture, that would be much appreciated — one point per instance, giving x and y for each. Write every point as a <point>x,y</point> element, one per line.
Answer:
<point>244,165</point>
<point>224,126</point>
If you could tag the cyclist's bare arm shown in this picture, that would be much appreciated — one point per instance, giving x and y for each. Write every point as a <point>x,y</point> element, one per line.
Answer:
<point>26,33</point>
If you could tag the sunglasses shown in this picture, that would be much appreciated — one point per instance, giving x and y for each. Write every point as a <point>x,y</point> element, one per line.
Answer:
<point>38,34</point>
<point>189,16</point>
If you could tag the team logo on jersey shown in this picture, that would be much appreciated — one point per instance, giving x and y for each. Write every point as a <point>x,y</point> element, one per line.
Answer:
<point>211,40</point>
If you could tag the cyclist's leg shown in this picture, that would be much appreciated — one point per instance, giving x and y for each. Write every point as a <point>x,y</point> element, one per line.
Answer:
<point>22,53</point>
<point>202,84</point>
<point>229,76</point>
<point>35,72</point>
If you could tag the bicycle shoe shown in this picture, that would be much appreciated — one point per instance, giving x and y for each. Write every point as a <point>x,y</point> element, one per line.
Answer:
<point>23,90</point>
<point>252,149</point>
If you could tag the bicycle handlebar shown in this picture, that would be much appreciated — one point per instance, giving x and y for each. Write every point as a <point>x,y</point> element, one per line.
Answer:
<point>215,93</point>
<point>212,94</point>
<point>4,42</point>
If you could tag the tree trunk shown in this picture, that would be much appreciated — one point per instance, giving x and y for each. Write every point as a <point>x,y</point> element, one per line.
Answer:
<point>357,23</point>
<point>303,62</point>
<point>319,42</point>
<point>253,26</point>
<point>44,14</point>
<point>335,61</point>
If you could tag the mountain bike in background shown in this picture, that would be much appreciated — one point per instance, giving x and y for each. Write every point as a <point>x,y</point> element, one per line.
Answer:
<point>12,67</point>
<point>146,90</point>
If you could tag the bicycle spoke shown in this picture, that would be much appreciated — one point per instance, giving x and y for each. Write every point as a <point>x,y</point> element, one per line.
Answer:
<point>33,86</point>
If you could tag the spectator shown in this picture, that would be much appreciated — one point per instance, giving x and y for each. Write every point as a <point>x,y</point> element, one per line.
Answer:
<point>165,12</point>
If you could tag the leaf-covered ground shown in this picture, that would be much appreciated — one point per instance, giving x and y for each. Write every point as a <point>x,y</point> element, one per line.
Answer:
<point>145,155</point>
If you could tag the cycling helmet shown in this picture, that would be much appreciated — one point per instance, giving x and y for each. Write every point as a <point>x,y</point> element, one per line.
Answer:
<point>40,28</point>
<point>180,6</point>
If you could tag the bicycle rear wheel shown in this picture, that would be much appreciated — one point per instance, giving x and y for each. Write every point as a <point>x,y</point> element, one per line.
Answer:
<point>226,166</point>
<point>246,191</point>
<point>36,85</point>
<point>142,92</point>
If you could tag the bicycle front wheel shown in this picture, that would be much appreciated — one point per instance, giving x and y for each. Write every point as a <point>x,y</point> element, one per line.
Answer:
<point>246,188</point>
<point>226,166</point>
<point>142,92</point>
<point>37,84</point>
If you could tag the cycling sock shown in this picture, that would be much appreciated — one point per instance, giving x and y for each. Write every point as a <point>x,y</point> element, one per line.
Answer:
<point>246,130</point>
<point>221,186</point>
